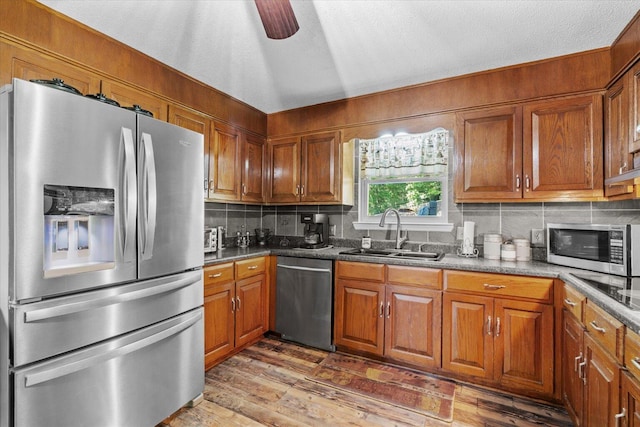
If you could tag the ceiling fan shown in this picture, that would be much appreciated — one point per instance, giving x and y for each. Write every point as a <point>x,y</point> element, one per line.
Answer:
<point>278,18</point>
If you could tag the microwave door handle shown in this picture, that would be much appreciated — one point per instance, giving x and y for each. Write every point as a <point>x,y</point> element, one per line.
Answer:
<point>149,197</point>
<point>80,364</point>
<point>128,188</point>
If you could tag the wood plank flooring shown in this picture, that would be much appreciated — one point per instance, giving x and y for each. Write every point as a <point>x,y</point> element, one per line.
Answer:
<point>266,385</point>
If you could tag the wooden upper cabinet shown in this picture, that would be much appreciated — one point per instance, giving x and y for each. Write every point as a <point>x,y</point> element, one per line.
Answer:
<point>488,159</point>
<point>634,118</point>
<point>311,169</point>
<point>563,148</point>
<point>617,157</point>
<point>196,122</point>
<point>224,163</point>
<point>128,96</point>
<point>546,150</point>
<point>253,158</point>
<point>284,171</point>
<point>320,168</point>
<point>32,65</point>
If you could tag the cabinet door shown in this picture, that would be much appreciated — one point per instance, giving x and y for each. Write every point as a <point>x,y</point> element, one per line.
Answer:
<point>224,163</point>
<point>572,358</point>
<point>128,96</point>
<point>630,400</point>
<point>412,326</point>
<point>488,155</point>
<point>253,153</point>
<point>250,309</point>
<point>523,345</point>
<point>284,171</point>
<point>602,387</point>
<point>634,108</point>
<point>562,148</point>
<point>320,168</point>
<point>616,145</point>
<point>28,65</point>
<point>359,315</point>
<point>467,335</point>
<point>196,122</point>
<point>218,322</point>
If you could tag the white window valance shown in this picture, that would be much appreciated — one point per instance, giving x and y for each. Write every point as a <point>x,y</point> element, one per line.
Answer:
<point>402,156</point>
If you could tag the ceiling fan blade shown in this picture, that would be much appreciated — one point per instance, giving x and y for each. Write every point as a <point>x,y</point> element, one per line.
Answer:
<point>278,18</point>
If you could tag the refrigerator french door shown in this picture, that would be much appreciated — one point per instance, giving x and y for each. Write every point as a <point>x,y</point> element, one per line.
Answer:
<point>101,218</point>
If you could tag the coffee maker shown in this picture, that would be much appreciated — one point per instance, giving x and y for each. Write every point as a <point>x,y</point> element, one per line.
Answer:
<point>316,230</point>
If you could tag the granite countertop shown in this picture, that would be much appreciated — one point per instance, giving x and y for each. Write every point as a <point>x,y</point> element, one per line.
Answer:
<point>618,310</point>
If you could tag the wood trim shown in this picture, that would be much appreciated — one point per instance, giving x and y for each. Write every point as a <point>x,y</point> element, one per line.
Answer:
<point>625,50</point>
<point>576,73</point>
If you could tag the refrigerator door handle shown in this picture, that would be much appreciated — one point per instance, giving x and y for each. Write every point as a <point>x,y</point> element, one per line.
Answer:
<point>149,198</point>
<point>128,188</point>
<point>78,365</point>
<point>79,306</point>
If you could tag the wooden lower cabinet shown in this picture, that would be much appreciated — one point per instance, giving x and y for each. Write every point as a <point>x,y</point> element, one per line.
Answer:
<point>573,367</point>
<point>235,307</point>
<point>399,322</point>
<point>498,330</point>
<point>602,385</point>
<point>630,400</point>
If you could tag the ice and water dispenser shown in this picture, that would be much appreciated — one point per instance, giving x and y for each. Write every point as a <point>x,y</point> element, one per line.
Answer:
<point>79,230</point>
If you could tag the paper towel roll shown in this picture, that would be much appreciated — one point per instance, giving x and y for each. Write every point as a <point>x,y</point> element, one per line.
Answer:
<point>468,237</point>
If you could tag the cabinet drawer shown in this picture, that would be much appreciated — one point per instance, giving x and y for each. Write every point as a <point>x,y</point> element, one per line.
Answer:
<point>532,288</point>
<point>249,267</point>
<point>632,353</point>
<point>605,329</point>
<point>218,273</point>
<point>360,271</point>
<point>573,301</point>
<point>425,277</point>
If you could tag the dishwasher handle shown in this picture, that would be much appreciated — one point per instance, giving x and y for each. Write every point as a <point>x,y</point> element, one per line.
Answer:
<point>295,267</point>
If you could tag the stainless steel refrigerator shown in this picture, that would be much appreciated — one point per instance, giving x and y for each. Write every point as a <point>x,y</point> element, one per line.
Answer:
<point>101,218</point>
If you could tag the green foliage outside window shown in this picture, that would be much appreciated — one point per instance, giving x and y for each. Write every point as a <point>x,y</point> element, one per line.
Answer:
<point>409,197</point>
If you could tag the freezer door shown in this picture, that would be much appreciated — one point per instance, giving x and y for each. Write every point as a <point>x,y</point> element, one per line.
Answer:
<point>170,205</point>
<point>58,325</point>
<point>136,380</point>
<point>70,154</point>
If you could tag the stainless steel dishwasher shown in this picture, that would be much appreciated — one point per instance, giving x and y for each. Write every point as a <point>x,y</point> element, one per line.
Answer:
<point>304,301</point>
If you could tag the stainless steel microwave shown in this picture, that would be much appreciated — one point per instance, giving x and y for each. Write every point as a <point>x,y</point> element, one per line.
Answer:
<point>610,249</point>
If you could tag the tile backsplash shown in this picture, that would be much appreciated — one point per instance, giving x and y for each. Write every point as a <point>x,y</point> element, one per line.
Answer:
<point>512,220</point>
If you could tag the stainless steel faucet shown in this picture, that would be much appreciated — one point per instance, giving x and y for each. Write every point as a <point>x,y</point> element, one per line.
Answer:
<point>399,239</point>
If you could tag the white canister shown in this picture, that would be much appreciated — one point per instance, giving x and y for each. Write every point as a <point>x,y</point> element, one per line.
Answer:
<point>523,249</point>
<point>508,252</point>
<point>492,243</point>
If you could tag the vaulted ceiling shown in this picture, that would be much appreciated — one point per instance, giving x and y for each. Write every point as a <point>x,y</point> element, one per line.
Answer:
<point>346,48</point>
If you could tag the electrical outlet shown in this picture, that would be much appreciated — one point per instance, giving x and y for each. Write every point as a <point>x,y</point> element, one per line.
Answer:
<point>459,233</point>
<point>332,229</point>
<point>537,237</point>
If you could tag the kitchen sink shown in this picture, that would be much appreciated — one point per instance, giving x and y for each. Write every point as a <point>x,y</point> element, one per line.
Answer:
<point>393,253</point>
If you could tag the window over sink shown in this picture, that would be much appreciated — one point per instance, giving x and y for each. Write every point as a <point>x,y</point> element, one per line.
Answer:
<point>407,172</point>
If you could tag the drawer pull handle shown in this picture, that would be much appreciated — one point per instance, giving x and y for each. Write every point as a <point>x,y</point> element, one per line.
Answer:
<point>493,287</point>
<point>570,303</point>
<point>388,309</point>
<point>238,300</point>
<point>381,311</point>
<point>497,326</point>
<point>252,267</point>
<point>575,362</point>
<point>620,416</point>
<point>595,326</point>
<point>233,305</point>
<point>213,276</point>
<point>636,362</point>
<point>488,325</point>
<point>581,371</point>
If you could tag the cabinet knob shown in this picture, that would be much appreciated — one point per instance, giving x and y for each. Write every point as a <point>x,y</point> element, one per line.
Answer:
<point>388,309</point>
<point>233,305</point>
<point>517,182</point>
<point>570,303</point>
<point>381,310</point>
<point>575,362</point>
<point>488,325</point>
<point>595,326</point>
<point>213,276</point>
<point>238,303</point>
<point>581,371</point>
<point>252,267</point>
<point>497,326</point>
<point>527,182</point>
<point>619,416</point>
<point>491,287</point>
